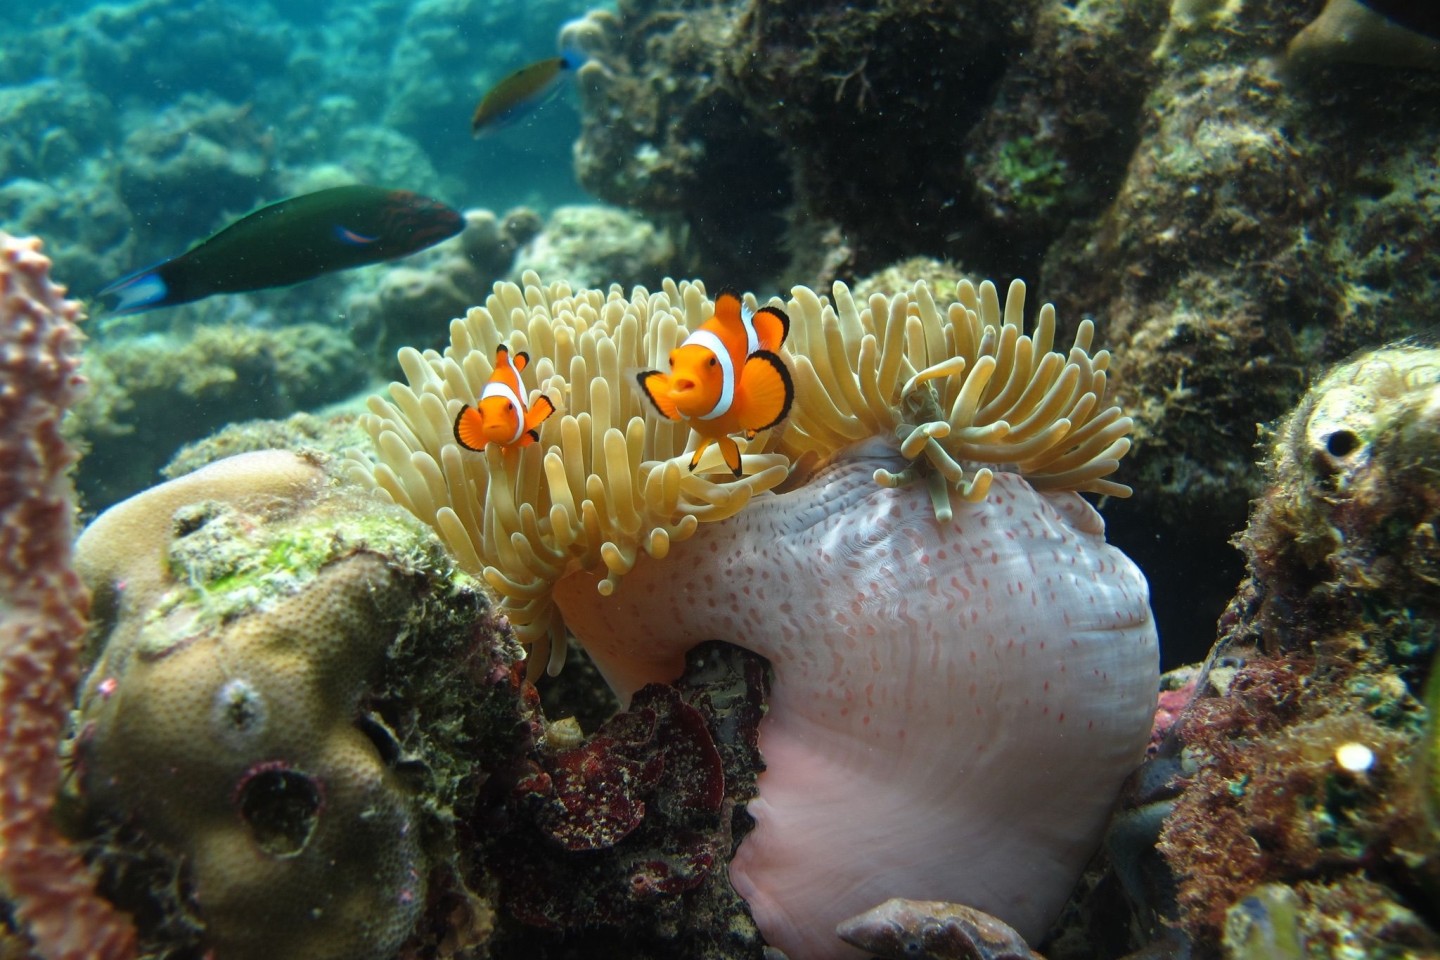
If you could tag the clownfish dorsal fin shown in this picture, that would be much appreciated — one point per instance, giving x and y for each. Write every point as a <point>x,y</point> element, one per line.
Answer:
<point>728,306</point>
<point>767,389</point>
<point>521,360</point>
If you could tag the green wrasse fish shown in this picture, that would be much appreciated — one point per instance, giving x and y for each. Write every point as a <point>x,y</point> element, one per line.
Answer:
<point>292,241</point>
<point>521,91</point>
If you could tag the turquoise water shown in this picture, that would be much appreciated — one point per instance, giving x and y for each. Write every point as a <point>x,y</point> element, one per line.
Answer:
<point>1238,196</point>
<point>134,130</point>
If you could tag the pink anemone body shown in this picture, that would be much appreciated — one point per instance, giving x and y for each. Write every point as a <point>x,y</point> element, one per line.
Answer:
<point>954,704</point>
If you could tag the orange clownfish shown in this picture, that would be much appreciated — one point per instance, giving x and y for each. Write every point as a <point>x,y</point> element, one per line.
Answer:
<point>726,377</point>
<point>501,415</point>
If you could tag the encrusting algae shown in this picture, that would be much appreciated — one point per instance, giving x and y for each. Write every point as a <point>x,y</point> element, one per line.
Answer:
<point>951,386</point>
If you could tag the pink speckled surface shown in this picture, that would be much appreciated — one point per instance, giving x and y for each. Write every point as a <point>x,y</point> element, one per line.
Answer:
<point>954,705</point>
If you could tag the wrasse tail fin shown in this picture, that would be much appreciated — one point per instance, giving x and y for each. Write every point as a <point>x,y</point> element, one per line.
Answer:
<point>468,423</point>
<point>139,291</point>
<point>654,385</point>
<point>768,391</point>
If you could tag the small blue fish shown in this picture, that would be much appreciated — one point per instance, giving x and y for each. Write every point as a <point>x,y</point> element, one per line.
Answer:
<point>521,92</point>
<point>289,242</point>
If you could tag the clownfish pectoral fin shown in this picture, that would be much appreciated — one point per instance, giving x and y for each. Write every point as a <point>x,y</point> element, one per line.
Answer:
<point>538,413</point>
<point>468,429</point>
<point>767,391</point>
<point>655,386</point>
<point>772,326</point>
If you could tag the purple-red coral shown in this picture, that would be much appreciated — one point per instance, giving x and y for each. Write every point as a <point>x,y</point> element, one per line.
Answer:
<point>42,615</point>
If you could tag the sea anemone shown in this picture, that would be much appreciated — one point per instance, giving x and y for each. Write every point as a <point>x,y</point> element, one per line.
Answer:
<point>963,670</point>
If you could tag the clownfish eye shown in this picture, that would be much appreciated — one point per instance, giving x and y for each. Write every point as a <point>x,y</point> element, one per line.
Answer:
<point>714,362</point>
<point>509,407</point>
<point>672,359</point>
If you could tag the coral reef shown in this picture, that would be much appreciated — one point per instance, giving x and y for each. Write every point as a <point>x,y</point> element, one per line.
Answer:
<point>294,701</point>
<point>153,394</point>
<point>663,135</point>
<point>1238,221</point>
<point>620,842</point>
<point>1287,797</point>
<point>927,930</point>
<point>1350,31</point>
<point>735,117</point>
<point>412,303</point>
<point>908,422</point>
<point>192,168</point>
<point>592,244</point>
<point>46,886</point>
<point>1269,222</point>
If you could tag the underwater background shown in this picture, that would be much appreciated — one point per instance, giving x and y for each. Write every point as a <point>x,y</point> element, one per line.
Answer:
<point>1241,196</point>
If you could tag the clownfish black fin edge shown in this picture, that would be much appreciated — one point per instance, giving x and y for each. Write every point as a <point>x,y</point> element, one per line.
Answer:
<point>455,429</point>
<point>655,401</point>
<point>780,368</point>
<point>784,319</point>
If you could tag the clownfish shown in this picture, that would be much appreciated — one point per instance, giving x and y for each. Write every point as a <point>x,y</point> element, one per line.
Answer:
<point>726,377</point>
<point>501,415</point>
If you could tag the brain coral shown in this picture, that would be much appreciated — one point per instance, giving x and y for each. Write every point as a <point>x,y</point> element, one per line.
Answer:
<point>242,715</point>
<point>963,670</point>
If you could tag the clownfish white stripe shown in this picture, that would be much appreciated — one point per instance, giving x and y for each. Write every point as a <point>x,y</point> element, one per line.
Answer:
<point>494,389</point>
<point>708,340</point>
<point>747,320</point>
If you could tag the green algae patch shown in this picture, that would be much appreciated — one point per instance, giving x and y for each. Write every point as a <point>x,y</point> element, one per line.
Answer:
<point>225,566</point>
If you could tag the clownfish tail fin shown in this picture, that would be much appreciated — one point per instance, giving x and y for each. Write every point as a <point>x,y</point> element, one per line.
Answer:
<point>467,429</point>
<point>768,389</point>
<point>653,386</point>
